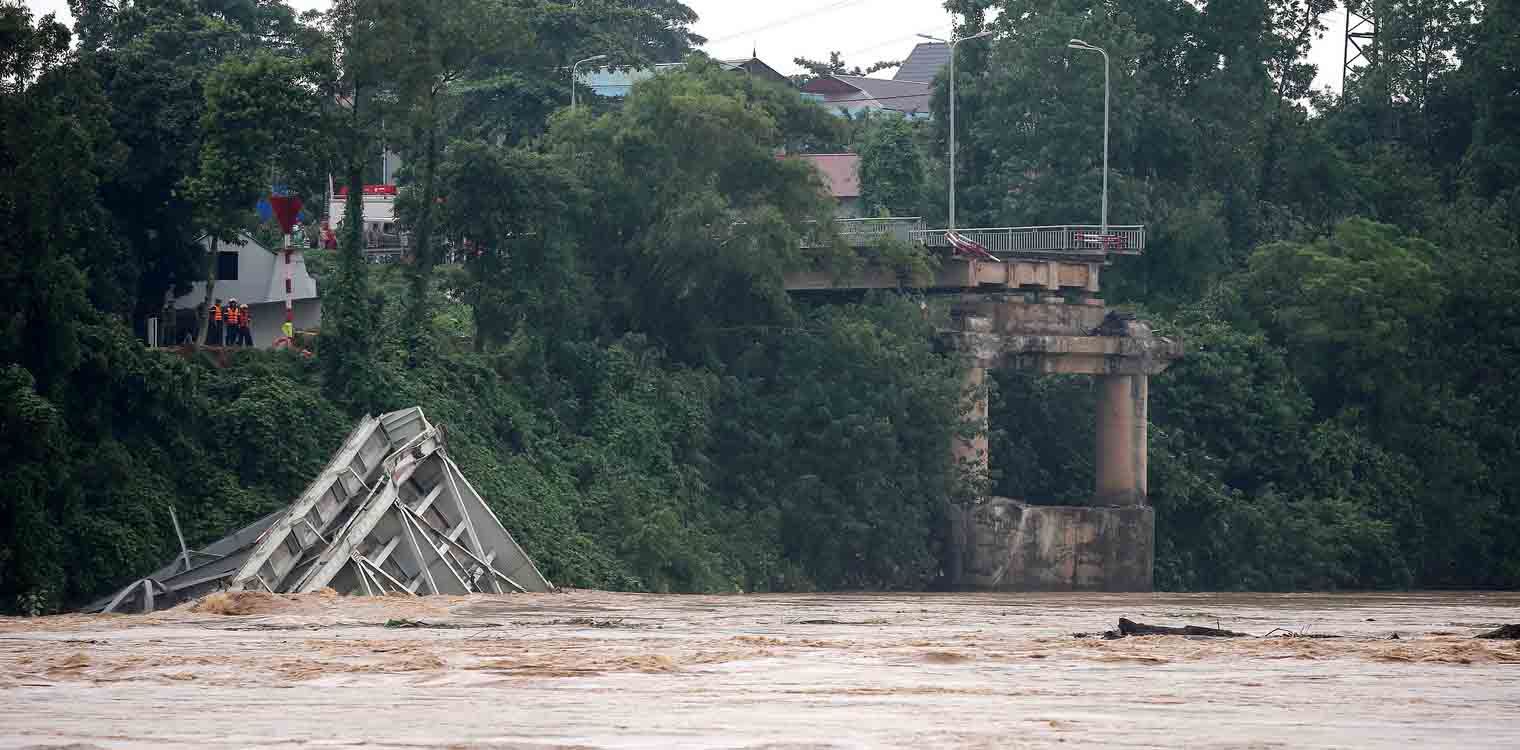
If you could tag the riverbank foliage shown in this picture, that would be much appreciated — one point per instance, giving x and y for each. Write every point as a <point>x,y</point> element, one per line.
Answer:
<point>618,368</point>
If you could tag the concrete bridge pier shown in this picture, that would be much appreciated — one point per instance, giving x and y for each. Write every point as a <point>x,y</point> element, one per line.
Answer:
<point>1005,544</point>
<point>1122,440</point>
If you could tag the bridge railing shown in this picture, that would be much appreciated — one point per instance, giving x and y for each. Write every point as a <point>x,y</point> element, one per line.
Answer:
<point>1067,239</point>
<point>862,232</point>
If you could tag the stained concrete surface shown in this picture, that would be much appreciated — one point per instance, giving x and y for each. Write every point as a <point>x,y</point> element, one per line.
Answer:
<point>1007,545</point>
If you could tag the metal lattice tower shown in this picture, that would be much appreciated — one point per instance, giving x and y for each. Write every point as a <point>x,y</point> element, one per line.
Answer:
<point>1361,36</point>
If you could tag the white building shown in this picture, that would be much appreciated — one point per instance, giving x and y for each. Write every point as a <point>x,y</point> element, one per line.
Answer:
<point>382,229</point>
<point>255,276</point>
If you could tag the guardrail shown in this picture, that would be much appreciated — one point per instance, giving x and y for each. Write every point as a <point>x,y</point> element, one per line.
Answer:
<point>865,230</point>
<point>862,232</point>
<point>1066,239</point>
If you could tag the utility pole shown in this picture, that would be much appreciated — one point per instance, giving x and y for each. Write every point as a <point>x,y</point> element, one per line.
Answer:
<point>951,44</point>
<point>1079,44</point>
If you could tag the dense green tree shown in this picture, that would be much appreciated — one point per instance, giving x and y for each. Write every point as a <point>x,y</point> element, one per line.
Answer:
<point>891,167</point>
<point>815,426</point>
<point>506,210</point>
<point>691,218</point>
<point>440,41</point>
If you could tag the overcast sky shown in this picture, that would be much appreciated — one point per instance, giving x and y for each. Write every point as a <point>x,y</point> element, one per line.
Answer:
<point>863,30</point>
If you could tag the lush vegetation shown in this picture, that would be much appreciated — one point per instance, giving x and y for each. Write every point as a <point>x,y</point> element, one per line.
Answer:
<point>619,370</point>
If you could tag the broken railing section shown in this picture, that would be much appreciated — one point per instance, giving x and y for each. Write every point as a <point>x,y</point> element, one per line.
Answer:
<point>390,514</point>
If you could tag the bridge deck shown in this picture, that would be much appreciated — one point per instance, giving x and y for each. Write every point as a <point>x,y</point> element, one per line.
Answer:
<point>1048,258</point>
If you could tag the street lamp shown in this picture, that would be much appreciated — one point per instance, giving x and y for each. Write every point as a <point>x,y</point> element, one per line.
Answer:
<point>951,44</point>
<point>1079,44</point>
<point>593,58</point>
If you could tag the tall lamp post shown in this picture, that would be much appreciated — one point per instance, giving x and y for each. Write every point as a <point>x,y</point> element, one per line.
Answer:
<point>951,44</point>
<point>593,58</point>
<point>1079,44</point>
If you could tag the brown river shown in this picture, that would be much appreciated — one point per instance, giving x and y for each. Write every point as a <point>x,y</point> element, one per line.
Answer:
<point>599,670</point>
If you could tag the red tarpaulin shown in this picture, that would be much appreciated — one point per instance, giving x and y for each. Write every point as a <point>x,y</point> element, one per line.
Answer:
<point>286,209</point>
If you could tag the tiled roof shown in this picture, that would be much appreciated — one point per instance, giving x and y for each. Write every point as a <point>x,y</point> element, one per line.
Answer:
<point>924,62</point>
<point>841,172</point>
<point>754,66</point>
<point>899,96</point>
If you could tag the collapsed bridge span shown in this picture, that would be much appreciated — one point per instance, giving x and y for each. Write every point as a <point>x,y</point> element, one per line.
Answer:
<point>390,514</point>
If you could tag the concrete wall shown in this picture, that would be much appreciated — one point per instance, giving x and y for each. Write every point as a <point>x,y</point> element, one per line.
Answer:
<point>1006,545</point>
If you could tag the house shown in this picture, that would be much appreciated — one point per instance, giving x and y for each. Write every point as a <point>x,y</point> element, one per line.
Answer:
<point>616,83</point>
<point>841,174</point>
<point>924,63</point>
<point>753,66</point>
<point>382,228</point>
<point>255,276</point>
<point>857,95</point>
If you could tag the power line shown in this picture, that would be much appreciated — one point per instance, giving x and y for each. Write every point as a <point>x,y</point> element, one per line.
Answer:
<point>787,21</point>
<point>879,45</point>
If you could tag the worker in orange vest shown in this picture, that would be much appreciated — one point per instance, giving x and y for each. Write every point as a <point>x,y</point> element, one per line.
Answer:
<point>214,330</point>
<point>245,325</point>
<point>229,322</point>
<point>230,337</point>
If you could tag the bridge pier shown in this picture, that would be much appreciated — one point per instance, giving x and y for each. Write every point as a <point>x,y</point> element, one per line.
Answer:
<point>1121,452</point>
<point>1107,544</point>
<point>1012,311</point>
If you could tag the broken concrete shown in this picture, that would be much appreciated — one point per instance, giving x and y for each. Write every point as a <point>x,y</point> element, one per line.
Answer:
<point>391,514</point>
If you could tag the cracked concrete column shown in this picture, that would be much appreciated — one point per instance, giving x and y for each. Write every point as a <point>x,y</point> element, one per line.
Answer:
<point>1122,436</point>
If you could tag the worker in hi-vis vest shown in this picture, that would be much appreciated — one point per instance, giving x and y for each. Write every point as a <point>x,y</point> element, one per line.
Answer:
<point>245,325</point>
<point>230,323</point>
<point>214,329</point>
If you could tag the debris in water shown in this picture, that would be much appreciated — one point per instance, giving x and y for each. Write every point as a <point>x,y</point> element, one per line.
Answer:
<point>1505,633</point>
<point>1129,627</point>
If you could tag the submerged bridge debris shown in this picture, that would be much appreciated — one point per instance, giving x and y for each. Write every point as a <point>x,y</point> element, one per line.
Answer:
<point>391,514</point>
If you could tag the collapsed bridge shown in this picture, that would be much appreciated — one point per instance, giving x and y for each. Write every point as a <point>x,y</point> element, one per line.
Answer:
<point>390,514</point>
<point>1027,298</point>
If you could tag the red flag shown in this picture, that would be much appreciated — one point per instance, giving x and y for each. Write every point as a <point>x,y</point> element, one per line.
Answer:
<point>286,209</point>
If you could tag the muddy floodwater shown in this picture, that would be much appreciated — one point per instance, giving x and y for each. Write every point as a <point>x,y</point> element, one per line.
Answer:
<point>589,669</point>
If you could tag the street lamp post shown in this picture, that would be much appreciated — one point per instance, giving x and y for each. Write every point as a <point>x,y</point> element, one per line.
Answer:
<point>1079,44</point>
<point>951,44</point>
<point>593,58</point>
